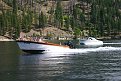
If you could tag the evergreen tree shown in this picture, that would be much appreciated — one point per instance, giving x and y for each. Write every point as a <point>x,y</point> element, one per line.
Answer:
<point>59,15</point>
<point>42,20</point>
<point>1,22</point>
<point>67,21</point>
<point>100,16</point>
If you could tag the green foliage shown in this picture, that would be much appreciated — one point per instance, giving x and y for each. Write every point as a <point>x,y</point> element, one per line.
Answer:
<point>73,23</point>
<point>42,20</point>
<point>59,14</point>
<point>77,32</point>
<point>26,20</point>
<point>14,5</point>
<point>99,17</point>
<point>67,21</point>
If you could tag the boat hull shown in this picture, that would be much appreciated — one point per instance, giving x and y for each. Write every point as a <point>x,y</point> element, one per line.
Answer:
<point>38,47</point>
<point>91,43</point>
<point>33,51</point>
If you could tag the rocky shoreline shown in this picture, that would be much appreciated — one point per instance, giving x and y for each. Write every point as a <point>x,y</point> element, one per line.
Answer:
<point>52,33</point>
<point>3,38</point>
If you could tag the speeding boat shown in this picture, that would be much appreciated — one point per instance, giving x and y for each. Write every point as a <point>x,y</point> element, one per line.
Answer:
<point>90,42</point>
<point>39,46</point>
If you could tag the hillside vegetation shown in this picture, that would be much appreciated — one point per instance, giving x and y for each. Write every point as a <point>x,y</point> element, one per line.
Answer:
<point>97,18</point>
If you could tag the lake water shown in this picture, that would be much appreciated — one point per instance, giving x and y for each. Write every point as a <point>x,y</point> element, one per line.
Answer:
<point>84,64</point>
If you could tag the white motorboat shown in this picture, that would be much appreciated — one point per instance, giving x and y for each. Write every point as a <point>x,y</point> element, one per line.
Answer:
<point>39,47</point>
<point>91,42</point>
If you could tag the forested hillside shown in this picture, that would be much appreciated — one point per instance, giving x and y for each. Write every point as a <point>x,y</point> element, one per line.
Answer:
<point>98,17</point>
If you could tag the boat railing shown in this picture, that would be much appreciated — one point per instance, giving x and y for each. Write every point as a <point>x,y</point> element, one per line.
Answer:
<point>35,39</point>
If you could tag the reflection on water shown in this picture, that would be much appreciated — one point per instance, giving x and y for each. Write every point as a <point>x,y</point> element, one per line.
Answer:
<point>85,64</point>
<point>95,64</point>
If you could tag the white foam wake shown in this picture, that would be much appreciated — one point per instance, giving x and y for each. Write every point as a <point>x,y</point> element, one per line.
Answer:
<point>112,43</point>
<point>83,50</point>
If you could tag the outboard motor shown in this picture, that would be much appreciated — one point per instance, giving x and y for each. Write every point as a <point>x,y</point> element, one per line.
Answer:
<point>69,43</point>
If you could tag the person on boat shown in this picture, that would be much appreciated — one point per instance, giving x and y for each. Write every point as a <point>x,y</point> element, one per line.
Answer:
<point>40,40</point>
<point>70,44</point>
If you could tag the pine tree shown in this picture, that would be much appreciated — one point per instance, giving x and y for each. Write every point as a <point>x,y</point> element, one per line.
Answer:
<point>59,15</point>
<point>67,21</point>
<point>42,20</point>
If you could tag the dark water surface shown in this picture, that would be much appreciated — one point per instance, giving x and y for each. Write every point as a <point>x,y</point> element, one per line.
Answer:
<point>84,64</point>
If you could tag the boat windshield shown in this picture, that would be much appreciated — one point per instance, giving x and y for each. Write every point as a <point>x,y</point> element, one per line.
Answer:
<point>91,38</point>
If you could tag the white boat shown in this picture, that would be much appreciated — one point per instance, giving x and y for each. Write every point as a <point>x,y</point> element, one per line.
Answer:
<point>91,42</point>
<point>39,47</point>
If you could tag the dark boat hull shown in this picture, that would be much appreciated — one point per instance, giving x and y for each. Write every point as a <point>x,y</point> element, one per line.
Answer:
<point>33,51</point>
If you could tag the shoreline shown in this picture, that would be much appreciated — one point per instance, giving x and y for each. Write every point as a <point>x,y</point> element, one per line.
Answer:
<point>3,38</point>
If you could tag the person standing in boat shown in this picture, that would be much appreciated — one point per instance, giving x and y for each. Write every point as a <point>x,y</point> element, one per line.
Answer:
<point>40,40</point>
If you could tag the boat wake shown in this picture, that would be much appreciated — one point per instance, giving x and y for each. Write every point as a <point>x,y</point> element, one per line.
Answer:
<point>83,50</point>
<point>112,43</point>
